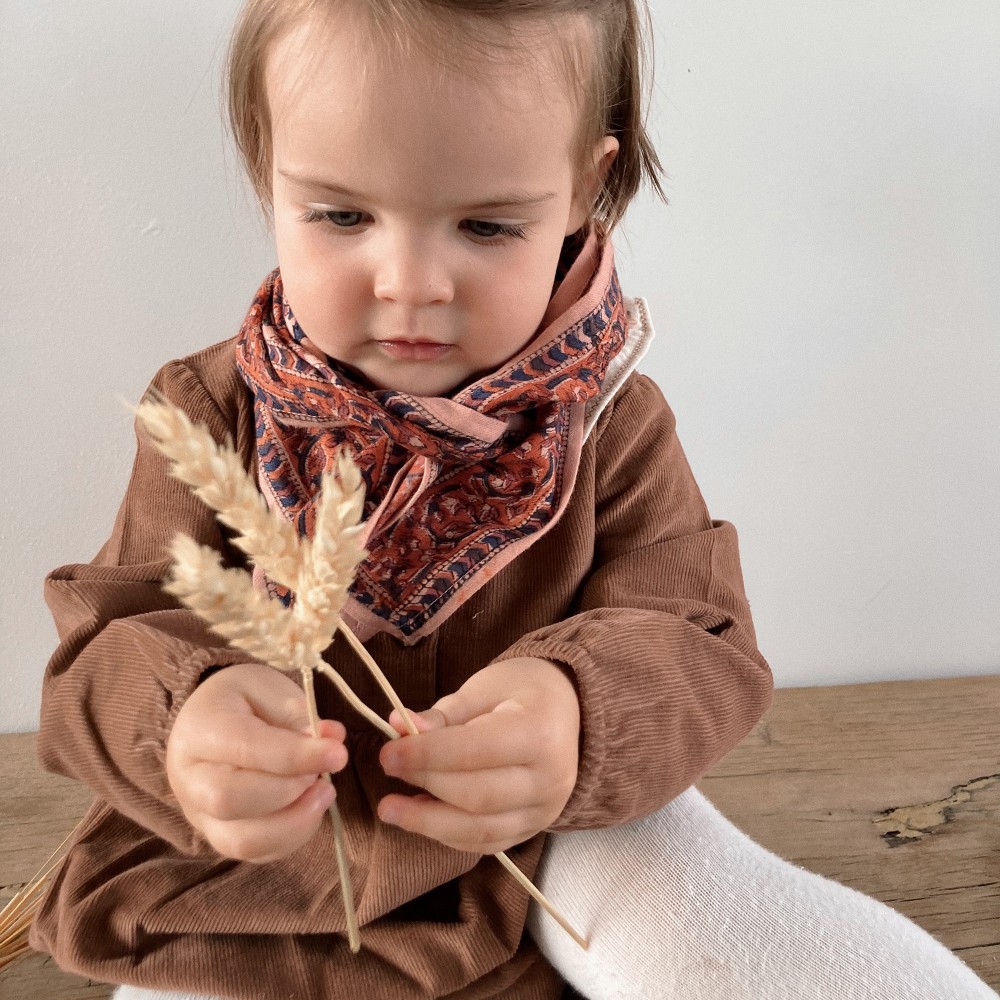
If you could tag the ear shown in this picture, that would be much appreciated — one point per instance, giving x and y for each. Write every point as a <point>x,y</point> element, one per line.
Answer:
<point>589,183</point>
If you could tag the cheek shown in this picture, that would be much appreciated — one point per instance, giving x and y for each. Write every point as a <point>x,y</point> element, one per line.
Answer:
<point>315,268</point>
<point>513,309</point>
<point>527,288</point>
<point>325,297</point>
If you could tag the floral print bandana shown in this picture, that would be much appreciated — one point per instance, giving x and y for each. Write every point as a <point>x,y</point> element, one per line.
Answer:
<point>455,487</point>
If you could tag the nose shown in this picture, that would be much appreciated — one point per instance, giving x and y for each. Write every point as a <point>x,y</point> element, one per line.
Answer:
<point>412,272</point>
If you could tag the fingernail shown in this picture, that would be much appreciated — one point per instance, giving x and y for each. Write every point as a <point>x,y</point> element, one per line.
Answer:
<point>326,795</point>
<point>334,760</point>
<point>387,813</point>
<point>390,762</point>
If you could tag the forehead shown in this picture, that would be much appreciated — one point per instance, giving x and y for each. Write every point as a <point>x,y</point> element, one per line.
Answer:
<point>343,96</point>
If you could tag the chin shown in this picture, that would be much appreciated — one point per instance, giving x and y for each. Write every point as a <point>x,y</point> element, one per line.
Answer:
<point>436,389</point>
<point>419,387</point>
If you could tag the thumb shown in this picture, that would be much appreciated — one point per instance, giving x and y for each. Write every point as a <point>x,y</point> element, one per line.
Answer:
<point>278,701</point>
<point>425,722</point>
<point>476,697</point>
<point>451,710</point>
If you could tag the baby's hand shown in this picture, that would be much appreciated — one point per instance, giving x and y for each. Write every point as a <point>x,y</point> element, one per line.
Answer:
<point>244,767</point>
<point>499,757</point>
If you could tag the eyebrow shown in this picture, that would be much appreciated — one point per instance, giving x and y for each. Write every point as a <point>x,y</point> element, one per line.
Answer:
<point>517,198</point>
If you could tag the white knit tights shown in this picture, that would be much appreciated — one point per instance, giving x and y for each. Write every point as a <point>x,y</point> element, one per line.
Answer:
<point>681,905</point>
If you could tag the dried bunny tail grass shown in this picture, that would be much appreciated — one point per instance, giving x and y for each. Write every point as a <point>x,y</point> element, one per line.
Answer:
<point>228,601</point>
<point>217,477</point>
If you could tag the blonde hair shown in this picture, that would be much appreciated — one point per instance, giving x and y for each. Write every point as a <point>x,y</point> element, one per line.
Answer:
<point>613,94</point>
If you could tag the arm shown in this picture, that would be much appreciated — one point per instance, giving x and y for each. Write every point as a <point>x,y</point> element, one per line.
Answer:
<point>128,656</point>
<point>609,713</point>
<point>661,646</point>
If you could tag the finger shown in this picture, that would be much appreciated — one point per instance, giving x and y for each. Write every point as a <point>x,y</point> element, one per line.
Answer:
<point>282,707</point>
<point>330,729</point>
<point>423,721</point>
<point>253,716</point>
<point>272,837</point>
<point>499,739</point>
<point>452,710</point>
<point>289,711</point>
<point>222,793</point>
<point>268,749</point>
<point>263,692</point>
<point>477,696</point>
<point>485,793</point>
<point>453,827</point>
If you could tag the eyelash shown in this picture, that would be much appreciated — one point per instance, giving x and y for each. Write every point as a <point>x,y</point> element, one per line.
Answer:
<point>502,231</point>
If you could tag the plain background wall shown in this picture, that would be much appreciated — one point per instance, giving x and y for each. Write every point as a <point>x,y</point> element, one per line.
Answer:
<point>825,284</point>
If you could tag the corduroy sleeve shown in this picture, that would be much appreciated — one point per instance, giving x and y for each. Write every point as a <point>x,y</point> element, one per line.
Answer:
<point>128,655</point>
<point>661,644</point>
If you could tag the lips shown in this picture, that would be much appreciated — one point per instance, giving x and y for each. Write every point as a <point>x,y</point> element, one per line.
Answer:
<point>414,350</point>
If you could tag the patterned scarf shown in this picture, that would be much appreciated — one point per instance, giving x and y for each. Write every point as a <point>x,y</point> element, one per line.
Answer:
<point>456,487</point>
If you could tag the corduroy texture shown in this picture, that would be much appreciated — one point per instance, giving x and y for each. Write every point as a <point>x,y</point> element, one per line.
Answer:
<point>138,993</point>
<point>635,589</point>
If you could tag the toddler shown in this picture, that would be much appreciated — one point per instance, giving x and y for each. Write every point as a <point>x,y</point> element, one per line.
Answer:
<point>543,584</point>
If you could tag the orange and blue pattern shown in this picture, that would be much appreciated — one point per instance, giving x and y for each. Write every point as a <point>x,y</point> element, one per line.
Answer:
<point>447,490</point>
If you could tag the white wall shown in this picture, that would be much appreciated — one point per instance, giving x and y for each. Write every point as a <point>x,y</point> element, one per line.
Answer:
<point>825,282</point>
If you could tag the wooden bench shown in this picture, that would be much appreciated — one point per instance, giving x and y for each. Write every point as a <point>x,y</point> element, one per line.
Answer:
<point>891,788</point>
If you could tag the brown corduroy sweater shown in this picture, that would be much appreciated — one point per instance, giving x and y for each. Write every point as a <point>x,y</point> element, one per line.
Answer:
<point>635,590</point>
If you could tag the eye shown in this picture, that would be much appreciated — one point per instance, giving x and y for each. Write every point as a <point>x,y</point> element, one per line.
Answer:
<point>493,232</point>
<point>342,220</point>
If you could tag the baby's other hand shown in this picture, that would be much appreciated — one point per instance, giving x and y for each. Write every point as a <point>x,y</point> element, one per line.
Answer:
<point>244,766</point>
<point>499,758</point>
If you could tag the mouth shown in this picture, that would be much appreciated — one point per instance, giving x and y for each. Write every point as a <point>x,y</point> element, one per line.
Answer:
<point>414,350</point>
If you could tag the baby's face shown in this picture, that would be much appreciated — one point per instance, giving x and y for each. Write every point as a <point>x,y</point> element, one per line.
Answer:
<point>419,212</point>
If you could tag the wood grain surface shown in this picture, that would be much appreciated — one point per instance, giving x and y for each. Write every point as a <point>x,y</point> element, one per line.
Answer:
<point>37,811</point>
<point>893,789</point>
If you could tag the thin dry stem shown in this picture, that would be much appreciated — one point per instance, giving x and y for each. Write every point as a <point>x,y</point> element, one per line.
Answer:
<point>22,951</point>
<point>354,701</point>
<point>383,681</point>
<point>19,912</point>
<point>542,901</point>
<point>346,885</point>
<point>353,933</point>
